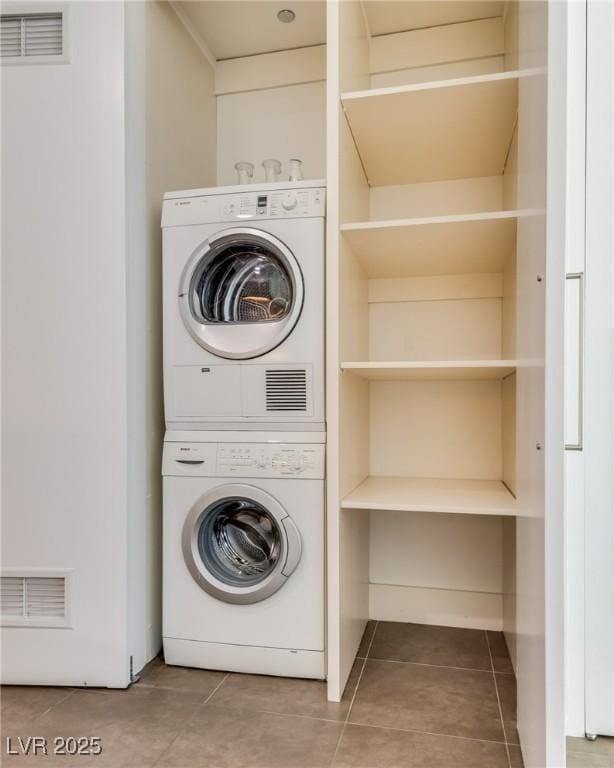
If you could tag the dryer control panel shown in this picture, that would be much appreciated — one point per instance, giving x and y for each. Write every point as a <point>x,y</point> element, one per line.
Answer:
<point>245,460</point>
<point>273,201</point>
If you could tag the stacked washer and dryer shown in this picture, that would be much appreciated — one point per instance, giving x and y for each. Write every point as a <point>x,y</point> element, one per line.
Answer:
<point>243,460</point>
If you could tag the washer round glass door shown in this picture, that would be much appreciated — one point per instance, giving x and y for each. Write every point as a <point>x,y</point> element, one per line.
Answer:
<point>239,544</point>
<point>241,293</point>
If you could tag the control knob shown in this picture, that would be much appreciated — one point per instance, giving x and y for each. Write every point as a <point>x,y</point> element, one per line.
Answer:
<point>289,201</point>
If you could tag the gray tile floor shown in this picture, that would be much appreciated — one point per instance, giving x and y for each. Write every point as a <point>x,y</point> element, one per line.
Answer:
<point>418,697</point>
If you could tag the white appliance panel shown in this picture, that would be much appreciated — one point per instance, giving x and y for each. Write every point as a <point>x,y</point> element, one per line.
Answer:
<point>205,391</point>
<point>199,388</point>
<point>292,618</point>
<point>282,634</point>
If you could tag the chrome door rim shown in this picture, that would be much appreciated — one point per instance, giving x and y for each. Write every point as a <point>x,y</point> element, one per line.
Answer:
<point>289,535</point>
<point>202,332</point>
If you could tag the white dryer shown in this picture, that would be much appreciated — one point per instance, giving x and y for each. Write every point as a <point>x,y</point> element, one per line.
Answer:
<point>243,552</point>
<point>244,307</point>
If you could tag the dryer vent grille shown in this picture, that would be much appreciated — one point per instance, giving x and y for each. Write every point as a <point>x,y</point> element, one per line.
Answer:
<point>286,389</point>
<point>33,600</point>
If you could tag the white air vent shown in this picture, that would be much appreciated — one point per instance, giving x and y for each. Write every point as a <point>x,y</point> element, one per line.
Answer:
<point>286,389</point>
<point>29,35</point>
<point>33,600</point>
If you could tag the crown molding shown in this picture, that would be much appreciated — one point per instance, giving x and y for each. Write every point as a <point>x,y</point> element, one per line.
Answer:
<point>202,45</point>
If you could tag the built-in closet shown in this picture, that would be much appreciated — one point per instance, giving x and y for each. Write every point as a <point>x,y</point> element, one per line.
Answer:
<point>445,278</point>
<point>440,128</point>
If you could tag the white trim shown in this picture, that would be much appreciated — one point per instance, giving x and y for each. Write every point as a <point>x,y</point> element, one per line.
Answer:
<point>599,374</point>
<point>553,703</point>
<point>574,459</point>
<point>201,44</point>
<point>271,70</point>
<point>365,19</point>
<point>439,607</point>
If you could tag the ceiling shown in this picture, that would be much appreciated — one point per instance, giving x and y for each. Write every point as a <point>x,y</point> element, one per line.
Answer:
<point>386,16</point>
<point>247,27</point>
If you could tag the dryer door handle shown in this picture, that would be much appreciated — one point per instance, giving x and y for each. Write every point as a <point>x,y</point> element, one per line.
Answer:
<point>295,546</point>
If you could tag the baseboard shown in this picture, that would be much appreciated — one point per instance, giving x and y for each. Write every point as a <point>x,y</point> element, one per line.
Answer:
<point>444,607</point>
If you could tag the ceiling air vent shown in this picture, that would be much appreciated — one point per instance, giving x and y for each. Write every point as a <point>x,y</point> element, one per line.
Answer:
<point>33,601</point>
<point>286,389</point>
<point>29,35</point>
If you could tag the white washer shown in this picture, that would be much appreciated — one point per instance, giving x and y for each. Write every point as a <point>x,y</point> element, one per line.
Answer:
<point>244,307</point>
<point>243,584</point>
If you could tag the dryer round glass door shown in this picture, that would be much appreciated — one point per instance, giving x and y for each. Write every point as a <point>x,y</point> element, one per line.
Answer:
<point>241,293</point>
<point>239,544</point>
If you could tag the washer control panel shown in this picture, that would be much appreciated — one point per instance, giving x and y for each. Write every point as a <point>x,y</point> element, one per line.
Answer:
<point>244,460</point>
<point>241,460</point>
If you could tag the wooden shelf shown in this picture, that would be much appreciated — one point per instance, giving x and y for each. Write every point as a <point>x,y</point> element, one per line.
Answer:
<point>438,245</point>
<point>436,370</point>
<point>401,494</point>
<point>450,129</point>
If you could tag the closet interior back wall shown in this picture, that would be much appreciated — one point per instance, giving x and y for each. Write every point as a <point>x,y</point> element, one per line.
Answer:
<point>272,105</point>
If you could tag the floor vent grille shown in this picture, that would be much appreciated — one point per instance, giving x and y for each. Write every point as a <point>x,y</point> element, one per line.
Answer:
<point>286,389</point>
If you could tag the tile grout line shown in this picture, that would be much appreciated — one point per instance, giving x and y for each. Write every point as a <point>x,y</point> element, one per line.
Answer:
<point>347,717</point>
<point>70,693</point>
<point>437,666</point>
<point>428,733</point>
<point>202,704</point>
<point>215,690</point>
<point>170,688</point>
<point>494,679</point>
<point>369,725</point>
<point>364,664</point>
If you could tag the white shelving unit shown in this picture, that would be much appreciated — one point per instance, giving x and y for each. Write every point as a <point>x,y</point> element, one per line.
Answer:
<point>405,494</point>
<point>441,370</point>
<point>450,129</point>
<point>435,245</point>
<point>437,249</point>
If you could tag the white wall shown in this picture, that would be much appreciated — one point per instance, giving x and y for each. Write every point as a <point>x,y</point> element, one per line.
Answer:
<point>281,123</point>
<point>89,148</point>
<point>181,111</point>
<point>64,399</point>
<point>172,110</point>
<point>436,569</point>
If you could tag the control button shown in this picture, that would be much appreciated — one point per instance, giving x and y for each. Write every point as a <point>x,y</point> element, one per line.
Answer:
<point>289,202</point>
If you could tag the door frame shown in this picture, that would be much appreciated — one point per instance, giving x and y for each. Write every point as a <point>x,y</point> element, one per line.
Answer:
<point>599,378</point>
